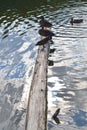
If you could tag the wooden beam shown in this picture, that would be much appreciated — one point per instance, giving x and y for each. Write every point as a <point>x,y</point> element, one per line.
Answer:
<point>36,118</point>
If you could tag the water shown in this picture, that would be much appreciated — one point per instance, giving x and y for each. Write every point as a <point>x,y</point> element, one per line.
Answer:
<point>67,78</point>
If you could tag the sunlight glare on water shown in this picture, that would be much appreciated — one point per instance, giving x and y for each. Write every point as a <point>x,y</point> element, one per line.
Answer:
<point>67,79</point>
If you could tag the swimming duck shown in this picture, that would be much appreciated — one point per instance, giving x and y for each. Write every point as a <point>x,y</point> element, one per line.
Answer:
<point>76,20</point>
<point>46,33</point>
<point>44,23</point>
<point>44,41</point>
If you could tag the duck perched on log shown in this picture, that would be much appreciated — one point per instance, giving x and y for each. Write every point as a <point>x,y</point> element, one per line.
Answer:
<point>46,33</point>
<point>44,41</point>
<point>76,20</point>
<point>44,23</point>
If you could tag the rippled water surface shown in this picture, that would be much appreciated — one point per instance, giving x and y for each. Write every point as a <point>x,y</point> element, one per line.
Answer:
<point>67,78</point>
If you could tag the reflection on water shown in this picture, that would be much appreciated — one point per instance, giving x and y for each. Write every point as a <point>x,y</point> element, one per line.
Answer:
<point>67,79</point>
<point>67,90</point>
<point>18,36</point>
<point>67,76</point>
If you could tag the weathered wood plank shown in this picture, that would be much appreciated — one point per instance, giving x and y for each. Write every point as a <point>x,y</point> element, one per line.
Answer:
<point>37,105</point>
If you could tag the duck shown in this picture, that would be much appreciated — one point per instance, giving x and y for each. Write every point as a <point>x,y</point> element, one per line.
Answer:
<point>45,33</point>
<point>76,20</point>
<point>44,41</point>
<point>45,23</point>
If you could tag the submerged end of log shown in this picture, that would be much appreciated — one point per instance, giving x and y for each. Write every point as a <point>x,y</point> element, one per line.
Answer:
<point>36,118</point>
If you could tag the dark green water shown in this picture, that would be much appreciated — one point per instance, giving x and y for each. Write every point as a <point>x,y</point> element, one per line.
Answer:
<point>67,78</point>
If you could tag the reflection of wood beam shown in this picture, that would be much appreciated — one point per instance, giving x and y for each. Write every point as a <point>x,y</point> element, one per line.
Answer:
<point>36,118</point>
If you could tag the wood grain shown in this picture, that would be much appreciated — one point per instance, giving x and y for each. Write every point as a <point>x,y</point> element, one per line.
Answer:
<point>36,118</point>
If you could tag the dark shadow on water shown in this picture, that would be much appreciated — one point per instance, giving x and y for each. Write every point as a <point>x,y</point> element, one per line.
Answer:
<point>55,116</point>
<point>52,50</point>
<point>50,63</point>
<point>28,4</point>
<point>57,121</point>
